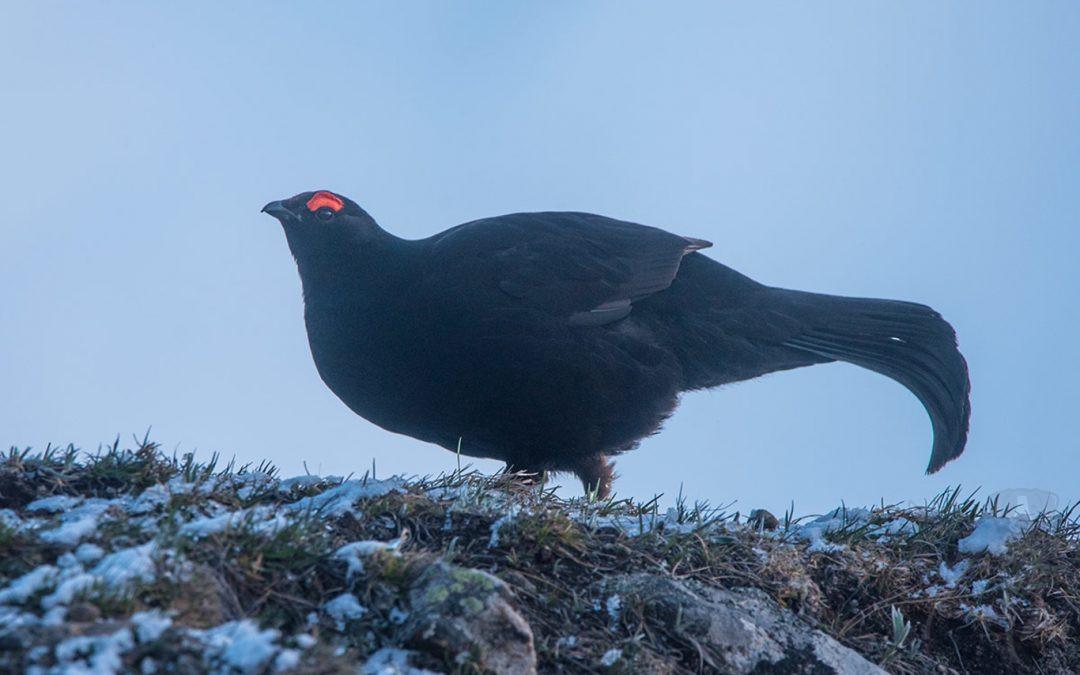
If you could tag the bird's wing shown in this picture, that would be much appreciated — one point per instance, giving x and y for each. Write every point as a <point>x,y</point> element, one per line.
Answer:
<point>586,268</point>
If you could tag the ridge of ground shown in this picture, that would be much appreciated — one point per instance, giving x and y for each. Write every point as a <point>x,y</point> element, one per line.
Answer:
<point>129,560</point>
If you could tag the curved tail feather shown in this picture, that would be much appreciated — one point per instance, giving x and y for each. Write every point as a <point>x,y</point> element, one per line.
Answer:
<point>905,341</point>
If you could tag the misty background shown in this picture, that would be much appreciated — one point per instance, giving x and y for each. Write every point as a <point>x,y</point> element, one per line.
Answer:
<point>920,151</point>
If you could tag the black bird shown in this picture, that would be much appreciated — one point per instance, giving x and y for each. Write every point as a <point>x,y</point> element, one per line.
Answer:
<point>552,341</point>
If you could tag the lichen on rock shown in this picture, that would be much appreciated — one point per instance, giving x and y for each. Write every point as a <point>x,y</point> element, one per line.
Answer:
<point>469,616</point>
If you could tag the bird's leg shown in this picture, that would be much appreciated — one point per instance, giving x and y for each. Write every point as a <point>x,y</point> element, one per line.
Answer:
<point>525,474</point>
<point>596,474</point>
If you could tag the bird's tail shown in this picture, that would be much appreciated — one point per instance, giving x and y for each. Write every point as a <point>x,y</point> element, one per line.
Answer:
<point>905,341</point>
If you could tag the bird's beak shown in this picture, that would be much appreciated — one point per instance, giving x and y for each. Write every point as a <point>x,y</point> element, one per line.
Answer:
<point>278,210</point>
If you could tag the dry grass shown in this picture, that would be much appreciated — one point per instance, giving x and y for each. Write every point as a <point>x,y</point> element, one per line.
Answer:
<point>881,594</point>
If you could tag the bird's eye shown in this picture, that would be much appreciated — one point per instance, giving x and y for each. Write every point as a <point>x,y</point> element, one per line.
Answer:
<point>325,213</point>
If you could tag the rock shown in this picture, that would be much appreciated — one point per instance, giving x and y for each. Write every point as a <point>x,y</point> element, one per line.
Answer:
<point>12,642</point>
<point>83,612</point>
<point>739,631</point>
<point>467,616</point>
<point>760,519</point>
<point>204,599</point>
<point>18,488</point>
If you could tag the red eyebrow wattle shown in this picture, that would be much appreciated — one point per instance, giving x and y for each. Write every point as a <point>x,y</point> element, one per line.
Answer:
<point>327,199</point>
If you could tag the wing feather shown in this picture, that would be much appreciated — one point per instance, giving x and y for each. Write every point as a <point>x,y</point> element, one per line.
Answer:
<point>586,268</point>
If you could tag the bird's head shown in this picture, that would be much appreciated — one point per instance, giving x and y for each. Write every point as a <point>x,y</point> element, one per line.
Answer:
<point>321,211</point>
<point>316,220</point>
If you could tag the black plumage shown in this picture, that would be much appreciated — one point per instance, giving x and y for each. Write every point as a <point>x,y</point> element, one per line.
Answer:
<point>552,341</point>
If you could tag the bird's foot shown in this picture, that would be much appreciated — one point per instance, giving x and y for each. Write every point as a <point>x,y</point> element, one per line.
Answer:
<point>597,474</point>
<point>525,475</point>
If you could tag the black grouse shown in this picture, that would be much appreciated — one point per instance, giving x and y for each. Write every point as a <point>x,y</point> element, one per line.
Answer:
<point>552,341</point>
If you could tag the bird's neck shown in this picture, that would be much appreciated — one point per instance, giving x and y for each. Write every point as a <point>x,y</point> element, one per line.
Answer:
<point>352,315</point>
<point>349,269</point>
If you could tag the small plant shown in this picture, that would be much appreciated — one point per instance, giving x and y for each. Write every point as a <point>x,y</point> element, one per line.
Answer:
<point>901,628</point>
<point>887,568</point>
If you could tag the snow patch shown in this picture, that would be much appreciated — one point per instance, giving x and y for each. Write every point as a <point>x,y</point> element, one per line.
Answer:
<point>354,553</point>
<point>837,520</point>
<point>127,565</point>
<point>636,526</point>
<point>992,535</point>
<point>983,613</point>
<point>339,500</point>
<point>12,619</point>
<point>239,645</point>
<point>11,520</point>
<point>263,520</point>
<point>391,661</point>
<point>305,641</point>
<point>36,580</point>
<point>77,523</point>
<point>67,589</point>
<point>289,484</point>
<point>287,659</point>
<point>150,499</point>
<point>613,605</point>
<point>894,527</point>
<point>54,617</point>
<point>511,513</point>
<point>250,482</point>
<point>343,609</point>
<point>54,504</point>
<point>88,553</point>
<point>610,657</point>
<point>93,655</point>
<point>952,575</point>
<point>149,626</point>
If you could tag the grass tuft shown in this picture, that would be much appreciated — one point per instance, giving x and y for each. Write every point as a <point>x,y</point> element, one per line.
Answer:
<point>874,580</point>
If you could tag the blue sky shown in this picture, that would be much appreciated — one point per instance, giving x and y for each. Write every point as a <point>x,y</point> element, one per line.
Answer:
<point>922,151</point>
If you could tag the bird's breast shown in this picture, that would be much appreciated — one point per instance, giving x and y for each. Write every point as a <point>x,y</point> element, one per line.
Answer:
<point>381,364</point>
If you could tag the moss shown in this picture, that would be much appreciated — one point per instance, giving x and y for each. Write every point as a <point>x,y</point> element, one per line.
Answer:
<point>436,595</point>
<point>554,557</point>
<point>471,580</point>
<point>470,604</point>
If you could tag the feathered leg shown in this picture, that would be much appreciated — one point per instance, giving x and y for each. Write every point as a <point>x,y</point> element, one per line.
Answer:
<point>596,474</point>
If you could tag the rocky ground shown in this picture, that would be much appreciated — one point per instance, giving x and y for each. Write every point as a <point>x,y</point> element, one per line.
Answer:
<point>131,561</point>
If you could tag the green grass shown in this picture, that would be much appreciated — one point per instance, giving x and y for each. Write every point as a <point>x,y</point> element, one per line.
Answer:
<point>870,593</point>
